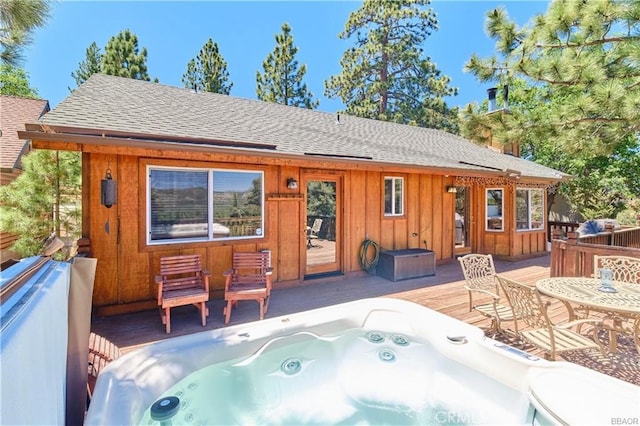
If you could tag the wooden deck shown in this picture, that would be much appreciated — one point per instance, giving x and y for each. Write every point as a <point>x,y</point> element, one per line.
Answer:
<point>442,292</point>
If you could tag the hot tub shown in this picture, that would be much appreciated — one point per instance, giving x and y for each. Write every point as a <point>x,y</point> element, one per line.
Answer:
<point>371,361</point>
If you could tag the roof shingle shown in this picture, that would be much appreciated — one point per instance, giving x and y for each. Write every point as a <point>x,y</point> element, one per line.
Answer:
<point>115,104</point>
<point>14,113</point>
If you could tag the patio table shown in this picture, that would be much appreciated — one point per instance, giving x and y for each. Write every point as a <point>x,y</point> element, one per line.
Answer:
<point>620,306</point>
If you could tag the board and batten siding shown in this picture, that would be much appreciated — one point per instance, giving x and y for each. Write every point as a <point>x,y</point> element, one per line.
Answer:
<point>509,243</point>
<point>127,266</point>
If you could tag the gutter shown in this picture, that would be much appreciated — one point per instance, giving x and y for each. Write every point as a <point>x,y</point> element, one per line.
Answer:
<point>46,133</point>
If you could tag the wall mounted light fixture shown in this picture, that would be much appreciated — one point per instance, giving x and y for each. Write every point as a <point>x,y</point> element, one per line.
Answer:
<point>292,183</point>
<point>108,190</point>
<point>512,173</point>
<point>452,189</point>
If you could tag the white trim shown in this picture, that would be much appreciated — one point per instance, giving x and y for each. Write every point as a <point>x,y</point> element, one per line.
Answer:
<point>529,210</point>
<point>486,212</point>
<point>394,209</point>
<point>210,205</point>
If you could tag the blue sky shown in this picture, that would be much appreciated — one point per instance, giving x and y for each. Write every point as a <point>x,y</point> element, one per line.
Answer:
<point>173,32</point>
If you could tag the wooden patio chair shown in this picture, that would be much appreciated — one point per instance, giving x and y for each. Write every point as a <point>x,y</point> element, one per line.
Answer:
<point>312,233</point>
<point>248,279</point>
<point>480,280</point>
<point>551,338</point>
<point>182,281</point>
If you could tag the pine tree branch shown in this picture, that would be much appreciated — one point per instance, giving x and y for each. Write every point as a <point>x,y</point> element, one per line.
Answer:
<point>588,43</point>
<point>632,127</point>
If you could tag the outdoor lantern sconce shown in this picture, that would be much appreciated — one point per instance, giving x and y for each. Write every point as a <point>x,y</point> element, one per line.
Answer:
<point>452,189</point>
<point>512,173</point>
<point>292,183</point>
<point>108,190</point>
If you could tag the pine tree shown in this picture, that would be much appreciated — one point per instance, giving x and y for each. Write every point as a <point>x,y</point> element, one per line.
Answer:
<point>574,89</point>
<point>44,198</point>
<point>386,75</point>
<point>586,55</point>
<point>123,58</point>
<point>18,19</point>
<point>15,82</point>
<point>208,71</point>
<point>281,81</point>
<point>92,64</point>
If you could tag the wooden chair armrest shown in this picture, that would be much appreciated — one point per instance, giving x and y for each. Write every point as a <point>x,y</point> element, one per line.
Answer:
<point>159,279</point>
<point>228,276</point>
<point>269,271</point>
<point>205,273</point>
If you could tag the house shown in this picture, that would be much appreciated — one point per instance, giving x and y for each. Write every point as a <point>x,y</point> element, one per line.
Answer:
<point>170,171</point>
<point>14,113</point>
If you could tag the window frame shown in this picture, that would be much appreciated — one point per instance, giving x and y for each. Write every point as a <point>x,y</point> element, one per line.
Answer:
<point>394,211</point>
<point>529,219</point>
<point>210,204</point>
<point>487,216</point>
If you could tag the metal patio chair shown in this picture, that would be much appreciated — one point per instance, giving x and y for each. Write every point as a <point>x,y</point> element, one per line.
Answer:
<point>551,338</point>
<point>480,280</point>
<point>623,268</point>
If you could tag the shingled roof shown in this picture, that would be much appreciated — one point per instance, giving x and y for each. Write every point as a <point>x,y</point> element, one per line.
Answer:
<point>115,106</point>
<point>14,113</point>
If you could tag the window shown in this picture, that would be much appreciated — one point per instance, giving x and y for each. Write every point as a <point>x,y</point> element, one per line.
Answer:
<point>529,209</point>
<point>494,210</point>
<point>393,196</point>
<point>203,204</point>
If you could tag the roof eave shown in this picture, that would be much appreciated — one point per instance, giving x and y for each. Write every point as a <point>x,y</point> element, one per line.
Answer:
<point>96,137</point>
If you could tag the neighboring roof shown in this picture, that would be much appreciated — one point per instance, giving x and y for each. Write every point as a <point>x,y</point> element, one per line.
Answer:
<point>139,110</point>
<point>14,113</point>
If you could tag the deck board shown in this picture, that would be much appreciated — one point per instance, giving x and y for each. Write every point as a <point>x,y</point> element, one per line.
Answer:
<point>443,292</point>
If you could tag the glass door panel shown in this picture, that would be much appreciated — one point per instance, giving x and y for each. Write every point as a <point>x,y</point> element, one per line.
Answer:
<point>462,220</point>
<point>323,225</point>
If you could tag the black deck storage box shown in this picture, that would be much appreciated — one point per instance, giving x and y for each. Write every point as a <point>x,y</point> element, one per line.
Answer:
<point>404,264</point>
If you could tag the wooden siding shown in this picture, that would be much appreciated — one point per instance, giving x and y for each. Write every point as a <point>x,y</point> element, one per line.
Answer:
<point>127,265</point>
<point>509,243</point>
<point>6,176</point>
<point>7,240</point>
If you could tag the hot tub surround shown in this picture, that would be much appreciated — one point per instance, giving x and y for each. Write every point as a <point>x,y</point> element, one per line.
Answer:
<point>374,357</point>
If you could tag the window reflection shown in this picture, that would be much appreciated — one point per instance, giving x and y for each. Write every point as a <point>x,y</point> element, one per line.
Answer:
<point>494,209</point>
<point>197,205</point>
<point>529,209</point>
<point>393,196</point>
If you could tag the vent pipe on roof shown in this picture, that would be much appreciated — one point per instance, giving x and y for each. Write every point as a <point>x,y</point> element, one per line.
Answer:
<point>337,118</point>
<point>505,97</point>
<point>491,92</point>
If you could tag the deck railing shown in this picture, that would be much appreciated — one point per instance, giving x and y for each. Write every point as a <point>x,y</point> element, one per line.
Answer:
<point>573,256</point>
<point>625,237</point>
<point>563,227</point>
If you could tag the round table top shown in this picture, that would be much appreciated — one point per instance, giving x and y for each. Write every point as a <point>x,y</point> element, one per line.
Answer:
<point>585,292</point>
